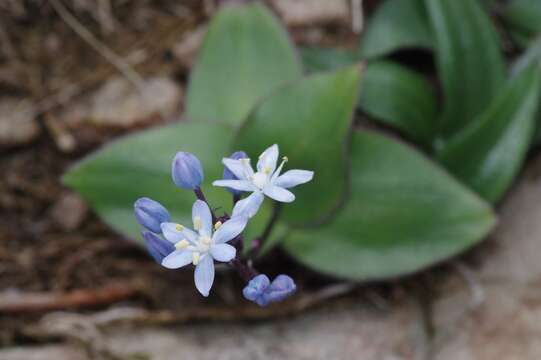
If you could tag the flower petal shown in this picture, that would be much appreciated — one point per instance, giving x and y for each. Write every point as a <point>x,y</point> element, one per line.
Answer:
<point>172,234</point>
<point>293,178</point>
<point>223,252</point>
<point>248,206</point>
<point>279,194</point>
<point>177,259</point>
<point>237,167</point>
<point>201,209</point>
<point>267,160</point>
<point>241,185</point>
<point>204,275</point>
<point>230,229</point>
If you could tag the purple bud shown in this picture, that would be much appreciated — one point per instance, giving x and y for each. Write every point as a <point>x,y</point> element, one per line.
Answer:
<point>228,175</point>
<point>255,289</point>
<point>281,287</point>
<point>187,171</point>
<point>150,214</point>
<point>157,247</point>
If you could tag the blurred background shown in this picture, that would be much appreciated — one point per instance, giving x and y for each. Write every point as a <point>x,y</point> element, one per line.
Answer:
<point>72,78</point>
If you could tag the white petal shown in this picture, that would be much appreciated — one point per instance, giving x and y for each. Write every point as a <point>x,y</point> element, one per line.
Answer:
<point>173,235</point>
<point>268,159</point>
<point>204,275</point>
<point>241,185</point>
<point>248,206</point>
<point>236,167</point>
<point>223,252</point>
<point>230,229</point>
<point>279,194</point>
<point>201,209</point>
<point>293,178</point>
<point>177,259</point>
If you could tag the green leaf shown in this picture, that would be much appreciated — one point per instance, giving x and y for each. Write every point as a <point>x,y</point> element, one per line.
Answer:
<point>469,60</point>
<point>488,154</point>
<point>310,121</point>
<point>245,56</point>
<point>524,16</point>
<point>529,58</point>
<point>401,98</point>
<point>140,165</point>
<point>325,59</point>
<point>404,213</point>
<point>396,24</point>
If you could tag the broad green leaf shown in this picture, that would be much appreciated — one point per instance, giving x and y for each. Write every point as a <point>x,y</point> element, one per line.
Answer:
<point>401,98</point>
<point>396,24</point>
<point>403,214</point>
<point>140,165</point>
<point>524,15</point>
<point>310,121</point>
<point>529,58</point>
<point>488,154</point>
<point>469,60</point>
<point>246,54</point>
<point>325,59</point>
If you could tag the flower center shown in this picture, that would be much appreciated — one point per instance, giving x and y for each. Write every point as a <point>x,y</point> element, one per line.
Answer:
<point>260,179</point>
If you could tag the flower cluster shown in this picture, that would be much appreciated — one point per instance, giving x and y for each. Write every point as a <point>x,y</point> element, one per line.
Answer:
<point>213,238</point>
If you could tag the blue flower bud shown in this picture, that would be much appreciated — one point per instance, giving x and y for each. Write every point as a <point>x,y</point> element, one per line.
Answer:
<point>157,247</point>
<point>187,171</point>
<point>228,175</point>
<point>281,287</point>
<point>150,214</point>
<point>255,289</point>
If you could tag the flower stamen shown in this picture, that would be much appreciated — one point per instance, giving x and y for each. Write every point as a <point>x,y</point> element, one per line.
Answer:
<point>197,223</point>
<point>182,244</point>
<point>196,257</point>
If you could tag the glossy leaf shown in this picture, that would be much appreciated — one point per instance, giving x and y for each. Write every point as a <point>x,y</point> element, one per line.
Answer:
<point>488,154</point>
<point>403,214</point>
<point>140,165</point>
<point>310,121</point>
<point>325,59</point>
<point>401,98</point>
<point>396,24</point>
<point>245,56</point>
<point>469,60</point>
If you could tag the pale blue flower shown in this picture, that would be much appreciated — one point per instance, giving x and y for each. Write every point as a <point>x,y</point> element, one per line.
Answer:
<point>157,247</point>
<point>187,171</point>
<point>261,291</point>
<point>202,246</point>
<point>228,175</point>
<point>266,181</point>
<point>150,214</point>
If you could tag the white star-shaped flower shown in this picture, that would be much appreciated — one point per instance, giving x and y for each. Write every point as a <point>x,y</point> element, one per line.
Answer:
<point>202,246</point>
<point>266,181</point>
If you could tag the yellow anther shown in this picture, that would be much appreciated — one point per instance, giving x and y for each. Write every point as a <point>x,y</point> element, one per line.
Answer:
<point>179,227</point>
<point>196,257</point>
<point>245,161</point>
<point>197,223</point>
<point>217,225</point>
<point>205,240</point>
<point>267,169</point>
<point>285,158</point>
<point>182,244</point>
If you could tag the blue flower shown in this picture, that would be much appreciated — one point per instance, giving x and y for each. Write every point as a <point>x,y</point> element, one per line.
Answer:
<point>150,214</point>
<point>187,171</point>
<point>202,246</point>
<point>228,175</point>
<point>255,290</point>
<point>261,291</point>
<point>266,181</point>
<point>157,247</point>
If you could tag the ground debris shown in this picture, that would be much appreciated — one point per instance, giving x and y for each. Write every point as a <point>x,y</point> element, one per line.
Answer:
<point>18,124</point>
